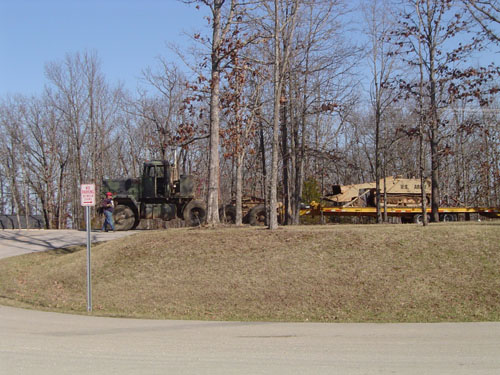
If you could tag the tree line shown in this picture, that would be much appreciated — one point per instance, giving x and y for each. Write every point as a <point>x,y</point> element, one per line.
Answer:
<point>281,98</point>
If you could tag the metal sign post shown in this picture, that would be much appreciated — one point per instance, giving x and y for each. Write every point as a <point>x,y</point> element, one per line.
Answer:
<point>87,193</point>
<point>89,282</point>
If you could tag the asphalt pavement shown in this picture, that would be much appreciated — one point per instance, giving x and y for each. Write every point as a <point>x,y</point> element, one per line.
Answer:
<point>35,342</point>
<point>22,241</point>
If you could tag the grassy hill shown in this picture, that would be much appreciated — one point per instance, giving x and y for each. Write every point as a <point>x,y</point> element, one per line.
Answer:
<point>343,273</point>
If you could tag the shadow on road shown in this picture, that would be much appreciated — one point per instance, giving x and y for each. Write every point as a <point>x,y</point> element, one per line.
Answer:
<point>16,242</point>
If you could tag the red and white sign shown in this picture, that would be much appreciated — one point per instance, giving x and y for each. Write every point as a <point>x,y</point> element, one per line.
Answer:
<point>87,194</point>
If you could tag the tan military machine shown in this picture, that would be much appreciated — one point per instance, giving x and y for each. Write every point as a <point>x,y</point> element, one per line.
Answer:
<point>400,192</point>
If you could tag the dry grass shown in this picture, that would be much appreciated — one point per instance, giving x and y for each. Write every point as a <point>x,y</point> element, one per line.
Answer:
<point>364,273</point>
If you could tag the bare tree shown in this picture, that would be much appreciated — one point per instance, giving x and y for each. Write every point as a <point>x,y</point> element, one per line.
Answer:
<point>487,14</point>
<point>379,25</point>
<point>317,81</point>
<point>10,151</point>
<point>40,143</point>
<point>425,33</point>
<point>86,107</point>
<point>159,112</point>
<point>284,15</point>
<point>241,103</point>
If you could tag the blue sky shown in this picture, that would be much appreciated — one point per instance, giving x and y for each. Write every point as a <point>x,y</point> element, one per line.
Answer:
<point>128,35</point>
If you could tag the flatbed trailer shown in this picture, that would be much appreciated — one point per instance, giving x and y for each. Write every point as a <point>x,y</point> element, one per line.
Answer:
<point>407,214</point>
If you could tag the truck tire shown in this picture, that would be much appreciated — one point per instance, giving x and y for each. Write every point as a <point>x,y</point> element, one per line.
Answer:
<point>419,218</point>
<point>257,215</point>
<point>124,218</point>
<point>194,213</point>
<point>448,217</point>
<point>227,214</point>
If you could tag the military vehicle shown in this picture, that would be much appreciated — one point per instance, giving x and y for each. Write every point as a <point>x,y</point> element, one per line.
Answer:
<point>400,192</point>
<point>157,194</point>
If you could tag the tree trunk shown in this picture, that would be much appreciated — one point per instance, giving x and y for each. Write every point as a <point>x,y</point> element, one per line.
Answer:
<point>421,156</point>
<point>286,169</point>
<point>264,167</point>
<point>239,188</point>
<point>214,167</point>
<point>377,158</point>
<point>273,186</point>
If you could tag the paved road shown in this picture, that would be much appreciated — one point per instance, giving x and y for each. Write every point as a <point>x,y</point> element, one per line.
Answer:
<point>33,342</point>
<point>23,241</point>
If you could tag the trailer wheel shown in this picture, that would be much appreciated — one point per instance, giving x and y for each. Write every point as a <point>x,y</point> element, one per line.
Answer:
<point>419,218</point>
<point>124,218</point>
<point>194,213</point>
<point>257,215</point>
<point>227,214</point>
<point>449,217</point>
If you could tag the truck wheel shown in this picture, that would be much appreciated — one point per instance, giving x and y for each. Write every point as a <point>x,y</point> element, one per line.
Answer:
<point>124,217</point>
<point>257,215</point>
<point>194,213</point>
<point>228,214</point>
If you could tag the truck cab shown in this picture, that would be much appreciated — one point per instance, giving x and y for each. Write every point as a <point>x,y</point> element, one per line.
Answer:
<point>156,180</point>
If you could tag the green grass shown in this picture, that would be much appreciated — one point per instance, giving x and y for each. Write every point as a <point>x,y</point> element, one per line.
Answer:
<point>344,273</point>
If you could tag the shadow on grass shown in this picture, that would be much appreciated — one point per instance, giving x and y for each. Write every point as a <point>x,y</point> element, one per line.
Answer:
<point>66,250</point>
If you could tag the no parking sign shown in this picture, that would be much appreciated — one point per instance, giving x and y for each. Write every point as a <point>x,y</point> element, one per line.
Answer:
<point>87,194</point>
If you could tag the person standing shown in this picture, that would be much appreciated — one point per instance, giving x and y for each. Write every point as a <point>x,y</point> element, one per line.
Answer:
<point>108,206</point>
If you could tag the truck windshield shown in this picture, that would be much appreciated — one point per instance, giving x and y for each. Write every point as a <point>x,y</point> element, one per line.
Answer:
<point>154,171</point>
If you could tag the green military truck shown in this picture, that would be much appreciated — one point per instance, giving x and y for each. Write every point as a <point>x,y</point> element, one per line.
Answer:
<point>155,195</point>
